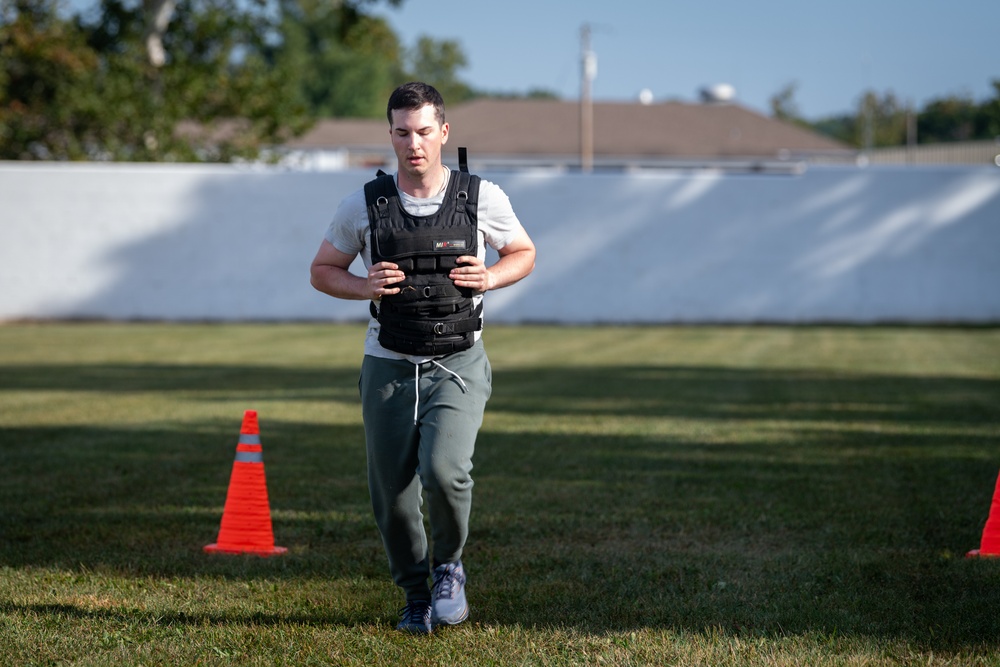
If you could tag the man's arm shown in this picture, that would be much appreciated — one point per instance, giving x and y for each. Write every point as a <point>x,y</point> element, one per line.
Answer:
<point>329,274</point>
<point>517,259</point>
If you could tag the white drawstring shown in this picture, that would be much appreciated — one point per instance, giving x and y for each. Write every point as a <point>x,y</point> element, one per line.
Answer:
<point>453,374</point>
<point>416,391</point>
<point>416,385</point>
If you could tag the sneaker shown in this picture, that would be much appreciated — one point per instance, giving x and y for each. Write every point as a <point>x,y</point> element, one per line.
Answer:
<point>416,617</point>
<point>449,606</point>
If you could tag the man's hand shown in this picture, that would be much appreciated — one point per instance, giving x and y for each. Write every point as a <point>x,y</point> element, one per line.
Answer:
<point>472,273</point>
<point>517,259</point>
<point>381,277</point>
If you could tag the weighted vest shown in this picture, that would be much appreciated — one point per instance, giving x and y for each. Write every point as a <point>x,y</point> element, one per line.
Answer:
<point>429,316</point>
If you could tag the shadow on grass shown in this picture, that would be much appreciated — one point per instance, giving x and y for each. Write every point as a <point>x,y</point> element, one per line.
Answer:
<point>124,378</point>
<point>136,616</point>
<point>769,502</point>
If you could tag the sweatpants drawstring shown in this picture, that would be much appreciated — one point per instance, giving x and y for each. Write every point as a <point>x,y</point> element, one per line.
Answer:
<point>416,385</point>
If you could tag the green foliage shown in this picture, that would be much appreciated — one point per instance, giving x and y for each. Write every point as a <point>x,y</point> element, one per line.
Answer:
<point>531,94</point>
<point>347,63</point>
<point>343,62</point>
<point>541,94</point>
<point>842,127</point>
<point>783,105</point>
<point>881,119</point>
<point>437,63</point>
<point>87,88</point>
<point>47,76</point>
<point>234,77</point>
<point>988,118</point>
<point>960,119</point>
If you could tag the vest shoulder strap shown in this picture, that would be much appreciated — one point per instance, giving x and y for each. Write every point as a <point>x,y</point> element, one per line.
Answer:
<point>383,185</point>
<point>378,193</point>
<point>467,192</point>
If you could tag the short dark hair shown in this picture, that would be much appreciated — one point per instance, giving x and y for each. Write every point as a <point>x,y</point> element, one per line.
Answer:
<point>415,95</point>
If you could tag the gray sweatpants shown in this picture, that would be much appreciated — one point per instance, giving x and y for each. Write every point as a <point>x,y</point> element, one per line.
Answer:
<point>432,456</point>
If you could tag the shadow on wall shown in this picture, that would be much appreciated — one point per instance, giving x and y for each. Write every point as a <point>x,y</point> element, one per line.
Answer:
<point>225,243</point>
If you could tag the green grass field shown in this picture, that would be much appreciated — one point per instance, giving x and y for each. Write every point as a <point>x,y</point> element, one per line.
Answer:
<point>644,496</point>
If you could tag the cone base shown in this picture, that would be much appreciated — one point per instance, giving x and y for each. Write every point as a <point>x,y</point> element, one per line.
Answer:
<point>976,553</point>
<point>216,549</point>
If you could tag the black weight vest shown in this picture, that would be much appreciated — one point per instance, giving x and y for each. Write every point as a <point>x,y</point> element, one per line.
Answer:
<point>429,316</point>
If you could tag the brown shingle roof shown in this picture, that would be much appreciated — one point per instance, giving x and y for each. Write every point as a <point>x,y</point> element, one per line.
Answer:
<point>538,128</point>
<point>344,133</point>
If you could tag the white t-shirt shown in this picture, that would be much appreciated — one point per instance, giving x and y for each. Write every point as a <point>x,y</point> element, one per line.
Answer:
<point>350,234</point>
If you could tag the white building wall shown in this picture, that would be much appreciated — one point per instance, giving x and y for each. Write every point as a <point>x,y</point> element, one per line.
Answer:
<point>189,242</point>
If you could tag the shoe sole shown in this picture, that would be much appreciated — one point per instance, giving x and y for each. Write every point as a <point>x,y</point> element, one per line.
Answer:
<point>438,623</point>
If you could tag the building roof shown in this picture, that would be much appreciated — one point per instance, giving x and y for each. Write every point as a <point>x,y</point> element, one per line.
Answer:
<point>622,131</point>
<point>336,133</point>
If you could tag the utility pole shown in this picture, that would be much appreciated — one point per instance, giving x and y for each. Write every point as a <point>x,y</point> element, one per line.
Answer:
<point>869,120</point>
<point>588,70</point>
<point>911,133</point>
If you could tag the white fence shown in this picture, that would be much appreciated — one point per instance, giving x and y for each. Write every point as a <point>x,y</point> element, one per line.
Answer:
<point>832,244</point>
<point>952,152</point>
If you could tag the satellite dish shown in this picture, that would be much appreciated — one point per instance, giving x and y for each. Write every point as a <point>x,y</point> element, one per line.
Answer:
<point>720,93</point>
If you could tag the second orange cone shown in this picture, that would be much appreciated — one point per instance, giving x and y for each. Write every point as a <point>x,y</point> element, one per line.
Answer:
<point>246,519</point>
<point>990,545</point>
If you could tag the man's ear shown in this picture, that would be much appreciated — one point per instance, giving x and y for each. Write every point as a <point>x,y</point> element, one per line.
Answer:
<point>444,133</point>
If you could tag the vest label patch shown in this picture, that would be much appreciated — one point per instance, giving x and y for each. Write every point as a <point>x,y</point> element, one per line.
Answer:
<point>450,245</point>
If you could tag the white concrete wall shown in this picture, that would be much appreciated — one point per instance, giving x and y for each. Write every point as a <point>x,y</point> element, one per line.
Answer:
<point>833,244</point>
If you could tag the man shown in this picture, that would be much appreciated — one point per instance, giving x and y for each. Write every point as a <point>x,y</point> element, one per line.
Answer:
<point>425,377</point>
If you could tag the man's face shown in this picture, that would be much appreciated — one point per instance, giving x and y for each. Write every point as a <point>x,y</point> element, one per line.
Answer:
<point>417,138</point>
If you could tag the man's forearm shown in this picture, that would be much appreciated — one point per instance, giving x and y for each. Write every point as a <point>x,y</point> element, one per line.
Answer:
<point>511,268</point>
<point>339,283</point>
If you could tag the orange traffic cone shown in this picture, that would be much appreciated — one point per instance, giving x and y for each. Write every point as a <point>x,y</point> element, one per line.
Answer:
<point>990,546</point>
<point>246,519</point>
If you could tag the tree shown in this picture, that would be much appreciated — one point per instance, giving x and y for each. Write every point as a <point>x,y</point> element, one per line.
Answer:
<point>880,121</point>
<point>101,88</point>
<point>948,119</point>
<point>343,62</point>
<point>437,63</point>
<point>988,115</point>
<point>46,83</point>
<point>952,118</point>
<point>157,15</point>
<point>346,62</point>
<point>531,94</point>
<point>783,106</point>
<point>841,127</point>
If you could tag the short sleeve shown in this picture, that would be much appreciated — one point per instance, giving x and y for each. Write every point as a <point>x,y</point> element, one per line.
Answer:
<point>350,223</point>
<point>497,220</point>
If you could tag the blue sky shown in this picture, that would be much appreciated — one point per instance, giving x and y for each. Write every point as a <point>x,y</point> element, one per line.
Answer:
<point>919,49</point>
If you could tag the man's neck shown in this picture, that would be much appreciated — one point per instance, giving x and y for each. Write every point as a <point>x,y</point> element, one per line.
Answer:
<point>426,187</point>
